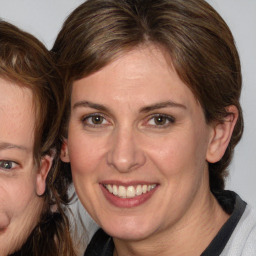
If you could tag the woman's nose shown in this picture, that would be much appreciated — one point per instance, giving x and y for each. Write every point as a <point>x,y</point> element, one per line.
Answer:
<point>125,154</point>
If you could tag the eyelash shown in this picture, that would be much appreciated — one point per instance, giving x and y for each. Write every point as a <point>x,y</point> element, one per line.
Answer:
<point>88,117</point>
<point>5,163</point>
<point>167,119</point>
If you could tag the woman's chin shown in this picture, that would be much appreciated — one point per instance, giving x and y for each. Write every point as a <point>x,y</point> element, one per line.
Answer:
<point>131,232</point>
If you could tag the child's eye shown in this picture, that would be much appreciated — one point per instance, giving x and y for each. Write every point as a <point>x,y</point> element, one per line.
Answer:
<point>7,165</point>
<point>160,120</point>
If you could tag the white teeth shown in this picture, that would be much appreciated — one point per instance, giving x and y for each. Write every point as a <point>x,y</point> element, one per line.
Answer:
<point>144,189</point>
<point>130,191</point>
<point>115,191</point>
<point>109,188</point>
<point>150,187</point>
<point>122,192</point>
<point>138,190</point>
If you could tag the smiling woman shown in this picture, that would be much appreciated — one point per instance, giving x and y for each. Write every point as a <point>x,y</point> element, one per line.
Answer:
<point>152,119</point>
<point>32,218</point>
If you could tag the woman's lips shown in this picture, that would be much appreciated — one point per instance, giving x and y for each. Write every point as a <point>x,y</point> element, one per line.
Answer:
<point>127,196</point>
<point>129,191</point>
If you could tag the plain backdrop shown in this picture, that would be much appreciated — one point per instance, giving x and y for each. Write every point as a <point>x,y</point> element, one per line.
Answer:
<point>44,18</point>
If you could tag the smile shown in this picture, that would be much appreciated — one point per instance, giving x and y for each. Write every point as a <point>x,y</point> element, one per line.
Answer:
<point>130,191</point>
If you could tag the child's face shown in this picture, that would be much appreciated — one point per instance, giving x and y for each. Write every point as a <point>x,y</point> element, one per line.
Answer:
<point>20,179</point>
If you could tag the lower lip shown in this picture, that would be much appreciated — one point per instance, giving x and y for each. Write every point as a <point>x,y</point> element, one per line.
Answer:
<point>127,202</point>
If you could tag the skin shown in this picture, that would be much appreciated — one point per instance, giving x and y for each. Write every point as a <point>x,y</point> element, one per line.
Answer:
<point>115,136</point>
<point>21,181</point>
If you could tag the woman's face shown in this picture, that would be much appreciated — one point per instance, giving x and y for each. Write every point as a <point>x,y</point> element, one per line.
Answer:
<point>138,145</point>
<point>19,178</point>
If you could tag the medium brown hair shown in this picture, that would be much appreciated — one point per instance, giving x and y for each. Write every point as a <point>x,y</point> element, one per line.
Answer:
<point>26,62</point>
<point>197,39</point>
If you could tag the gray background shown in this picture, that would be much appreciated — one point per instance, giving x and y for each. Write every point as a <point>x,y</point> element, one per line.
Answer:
<point>43,18</point>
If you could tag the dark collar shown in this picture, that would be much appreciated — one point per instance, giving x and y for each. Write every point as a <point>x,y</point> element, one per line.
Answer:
<point>231,203</point>
<point>103,245</point>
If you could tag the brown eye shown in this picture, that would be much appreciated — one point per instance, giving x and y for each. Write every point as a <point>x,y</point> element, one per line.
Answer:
<point>160,120</point>
<point>97,119</point>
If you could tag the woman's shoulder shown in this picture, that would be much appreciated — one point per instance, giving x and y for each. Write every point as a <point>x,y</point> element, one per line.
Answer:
<point>243,239</point>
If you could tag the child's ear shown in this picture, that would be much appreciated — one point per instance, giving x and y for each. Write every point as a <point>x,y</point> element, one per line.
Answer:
<point>45,166</point>
<point>64,156</point>
<point>222,132</point>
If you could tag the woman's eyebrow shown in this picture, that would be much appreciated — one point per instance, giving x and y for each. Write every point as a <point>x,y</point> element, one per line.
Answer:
<point>88,104</point>
<point>6,145</point>
<point>162,105</point>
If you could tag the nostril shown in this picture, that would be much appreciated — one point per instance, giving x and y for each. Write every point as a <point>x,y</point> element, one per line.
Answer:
<point>4,221</point>
<point>126,163</point>
<point>124,153</point>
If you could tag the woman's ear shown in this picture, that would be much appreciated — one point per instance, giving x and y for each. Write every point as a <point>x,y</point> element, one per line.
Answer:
<point>222,132</point>
<point>64,156</point>
<point>45,166</point>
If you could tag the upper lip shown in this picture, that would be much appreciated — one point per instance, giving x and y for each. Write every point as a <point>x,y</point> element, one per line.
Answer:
<point>127,183</point>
